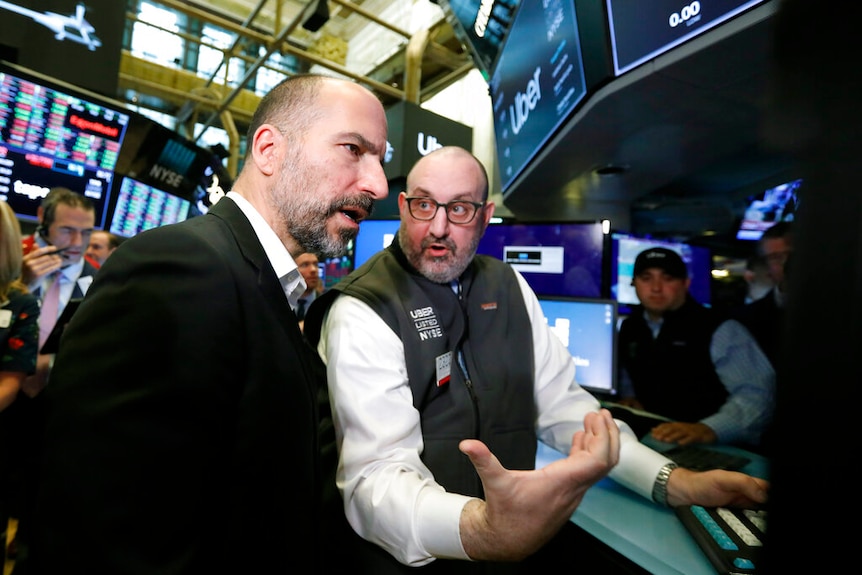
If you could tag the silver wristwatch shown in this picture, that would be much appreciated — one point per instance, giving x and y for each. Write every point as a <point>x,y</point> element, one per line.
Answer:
<point>659,488</point>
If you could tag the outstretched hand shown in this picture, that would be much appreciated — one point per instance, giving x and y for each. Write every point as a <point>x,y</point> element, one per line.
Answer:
<point>523,510</point>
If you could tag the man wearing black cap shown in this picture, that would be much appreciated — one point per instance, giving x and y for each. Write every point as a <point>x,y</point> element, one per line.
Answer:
<point>689,363</point>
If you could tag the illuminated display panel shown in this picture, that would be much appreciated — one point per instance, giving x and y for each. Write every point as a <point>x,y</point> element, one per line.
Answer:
<point>51,137</point>
<point>537,82</point>
<point>483,24</point>
<point>641,31</point>
<point>587,327</point>
<point>556,259</point>
<point>625,248</point>
<point>773,205</point>
<point>142,207</point>
<point>374,235</point>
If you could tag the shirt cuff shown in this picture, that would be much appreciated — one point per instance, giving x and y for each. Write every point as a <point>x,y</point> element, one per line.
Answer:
<point>638,466</point>
<point>439,525</point>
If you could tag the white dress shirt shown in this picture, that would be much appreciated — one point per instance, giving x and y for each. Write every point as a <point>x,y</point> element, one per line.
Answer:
<point>390,497</point>
<point>285,268</point>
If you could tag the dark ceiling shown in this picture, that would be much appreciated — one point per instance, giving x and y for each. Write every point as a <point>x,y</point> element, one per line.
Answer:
<point>681,141</point>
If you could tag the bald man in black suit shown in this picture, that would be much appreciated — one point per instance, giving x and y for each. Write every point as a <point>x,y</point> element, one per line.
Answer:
<point>182,435</point>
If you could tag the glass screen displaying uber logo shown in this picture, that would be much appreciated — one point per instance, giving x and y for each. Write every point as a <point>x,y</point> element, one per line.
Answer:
<point>538,81</point>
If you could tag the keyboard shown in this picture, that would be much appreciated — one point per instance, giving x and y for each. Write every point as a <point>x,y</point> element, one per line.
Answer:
<point>640,421</point>
<point>732,539</point>
<point>704,459</point>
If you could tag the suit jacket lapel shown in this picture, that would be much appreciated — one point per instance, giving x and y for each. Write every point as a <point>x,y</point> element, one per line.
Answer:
<point>252,251</point>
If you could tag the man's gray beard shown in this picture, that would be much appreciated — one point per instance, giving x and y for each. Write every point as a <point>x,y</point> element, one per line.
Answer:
<point>305,217</point>
<point>451,267</point>
<point>309,231</point>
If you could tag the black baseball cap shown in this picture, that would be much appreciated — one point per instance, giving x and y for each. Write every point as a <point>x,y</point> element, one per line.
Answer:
<point>664,259</point>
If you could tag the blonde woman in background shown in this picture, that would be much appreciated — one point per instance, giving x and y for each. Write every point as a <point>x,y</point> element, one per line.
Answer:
<point>19,312</point>
<point>19,341</point>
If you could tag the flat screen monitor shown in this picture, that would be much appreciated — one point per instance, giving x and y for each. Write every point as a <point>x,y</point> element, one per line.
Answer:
<point>76,41</point>
<point>483,26</point>
<point>141,207</point>
<point>334,269</point>
<point>374,235</point>
<point>642,31</point>
<point>776,204</point>
<point>52,136</point>
<point>556,259</point>
<point>588,329</point>
<point>537,83</point>
<point>160,157</point>
<point>625,248</point>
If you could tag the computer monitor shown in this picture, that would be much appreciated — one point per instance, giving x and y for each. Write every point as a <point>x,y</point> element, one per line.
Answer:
<point>53,135</point>
<point>626,247</point>
<point>557,259</point>
<point>776,204</point>
<point>374,235</point>
<point>588,329</point>
<point>140,207</point>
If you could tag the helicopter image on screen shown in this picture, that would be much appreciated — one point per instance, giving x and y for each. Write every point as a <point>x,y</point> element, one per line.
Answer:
<point>74,27</point>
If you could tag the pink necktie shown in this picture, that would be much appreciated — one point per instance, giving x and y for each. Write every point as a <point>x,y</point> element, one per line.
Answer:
<point>50,305</point>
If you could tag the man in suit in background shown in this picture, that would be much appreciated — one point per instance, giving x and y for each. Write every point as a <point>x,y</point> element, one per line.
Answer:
<point>102,244</point>
<point>182,429</point>
<point>54,267</point>
<point>690,363</point>
<point>764,317</point>
<point>308,267</point>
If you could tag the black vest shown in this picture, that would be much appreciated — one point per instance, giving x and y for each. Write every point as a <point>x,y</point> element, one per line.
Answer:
<point>673,374</point>
<point>490,398</point>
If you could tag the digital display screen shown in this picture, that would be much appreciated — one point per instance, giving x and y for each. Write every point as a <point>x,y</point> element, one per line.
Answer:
<point>562,259</point>
<point>587,327</point>
<point>625,248</point>
<point>776,204</point>
<point>162,158</point>
<point>74,41</point>
<point>141,207</point>
<point>52,138</point>
<point>537,83</point>
<point>485,24</point>
<point>335,269</point>
<point>641,31</point>
<point>374,235</point>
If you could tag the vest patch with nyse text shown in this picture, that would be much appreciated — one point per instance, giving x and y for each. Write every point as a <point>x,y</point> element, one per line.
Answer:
<point>426,323</point>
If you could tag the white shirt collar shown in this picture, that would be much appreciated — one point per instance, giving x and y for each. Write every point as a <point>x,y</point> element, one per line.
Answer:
<point>72,272</point>
<point>285,267</point>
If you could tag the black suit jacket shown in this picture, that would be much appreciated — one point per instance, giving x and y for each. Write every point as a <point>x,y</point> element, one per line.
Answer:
<point>182,426</point>
<point>765,320</point>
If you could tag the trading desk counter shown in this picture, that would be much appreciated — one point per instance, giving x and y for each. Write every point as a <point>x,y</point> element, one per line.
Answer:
<point>639,529</point>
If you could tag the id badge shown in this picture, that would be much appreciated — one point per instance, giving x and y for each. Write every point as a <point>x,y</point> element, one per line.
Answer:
<point>444,368</point>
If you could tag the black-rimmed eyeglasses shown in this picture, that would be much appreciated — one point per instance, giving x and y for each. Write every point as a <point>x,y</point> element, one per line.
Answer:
<point>457,212</point>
